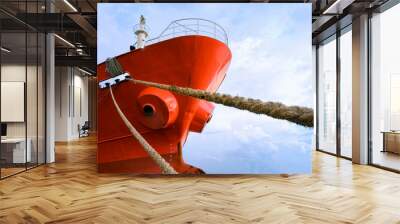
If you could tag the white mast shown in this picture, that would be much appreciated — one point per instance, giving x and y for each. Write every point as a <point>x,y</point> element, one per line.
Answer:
<point>141,33</point>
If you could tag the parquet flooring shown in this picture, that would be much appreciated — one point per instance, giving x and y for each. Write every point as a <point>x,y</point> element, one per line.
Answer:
<point>10,171</point>
<point>71,191</point>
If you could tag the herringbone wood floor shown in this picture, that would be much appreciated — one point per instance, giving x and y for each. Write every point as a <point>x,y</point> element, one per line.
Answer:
<point>71,191</point>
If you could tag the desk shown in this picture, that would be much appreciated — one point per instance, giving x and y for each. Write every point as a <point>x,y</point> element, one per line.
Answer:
<point>391,141</point>
<point>13,150</point>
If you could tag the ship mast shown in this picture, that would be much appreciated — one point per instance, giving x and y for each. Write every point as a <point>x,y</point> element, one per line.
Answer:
<point>141,33</point>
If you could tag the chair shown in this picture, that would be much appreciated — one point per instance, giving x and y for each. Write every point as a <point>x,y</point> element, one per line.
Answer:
<point>84,130</point>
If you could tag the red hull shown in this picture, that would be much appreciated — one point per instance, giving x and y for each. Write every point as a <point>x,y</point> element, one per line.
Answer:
<point>197,62</point>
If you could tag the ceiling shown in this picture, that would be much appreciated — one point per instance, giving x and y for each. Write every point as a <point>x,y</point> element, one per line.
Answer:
<point>75,22</point>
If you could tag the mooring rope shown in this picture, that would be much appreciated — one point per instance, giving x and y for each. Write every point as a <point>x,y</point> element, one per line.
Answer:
<point>300,115</point>
<point>157,158</point>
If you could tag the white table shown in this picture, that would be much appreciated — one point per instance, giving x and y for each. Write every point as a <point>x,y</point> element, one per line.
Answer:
<point>18,149</point>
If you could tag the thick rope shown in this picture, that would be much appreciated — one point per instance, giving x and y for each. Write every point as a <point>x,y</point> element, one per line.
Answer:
<point>300,115</point>
<point>164,165</point>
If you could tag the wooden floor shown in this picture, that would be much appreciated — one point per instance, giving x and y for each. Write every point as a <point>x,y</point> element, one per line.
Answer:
<point>71,191</point>
<point>10,171</point>
<point>387,159</point>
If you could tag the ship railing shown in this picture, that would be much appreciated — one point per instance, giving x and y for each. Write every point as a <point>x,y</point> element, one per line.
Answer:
<point>191,26</point>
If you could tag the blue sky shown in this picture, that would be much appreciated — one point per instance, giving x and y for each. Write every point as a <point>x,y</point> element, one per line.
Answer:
<point>271,60</point>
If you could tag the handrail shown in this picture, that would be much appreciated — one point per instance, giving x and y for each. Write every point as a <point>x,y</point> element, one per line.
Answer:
<point>184,27</point>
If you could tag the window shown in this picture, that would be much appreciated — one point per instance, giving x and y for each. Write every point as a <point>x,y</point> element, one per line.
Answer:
<point>327,95</point>
<point>22,88</point>
<point>385,89</point>
<point>346,92</point>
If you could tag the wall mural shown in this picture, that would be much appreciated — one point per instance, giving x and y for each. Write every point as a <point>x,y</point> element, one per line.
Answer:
<point>207,92</point>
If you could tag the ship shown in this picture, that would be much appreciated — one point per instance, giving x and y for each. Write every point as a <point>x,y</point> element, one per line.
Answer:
<point>189,52</point>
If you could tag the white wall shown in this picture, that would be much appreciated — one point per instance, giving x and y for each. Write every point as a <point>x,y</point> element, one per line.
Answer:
<point>16,72</point>
<point>80,102</point>
<point>61,103</point>
<point>71,102</point>
<point>33,127</point>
